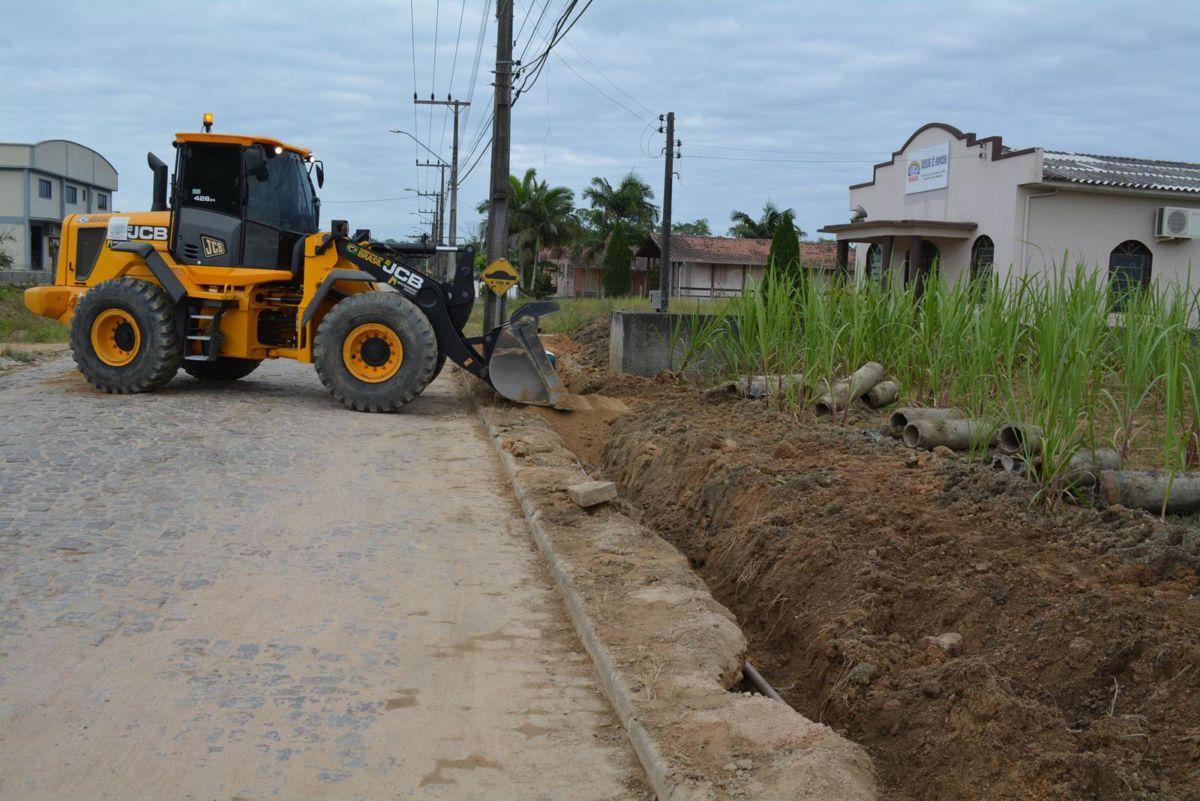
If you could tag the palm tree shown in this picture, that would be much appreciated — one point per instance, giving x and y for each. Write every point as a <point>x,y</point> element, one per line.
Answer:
<point>746,227</point>
<point>539,215</point>
<point>628,202</point>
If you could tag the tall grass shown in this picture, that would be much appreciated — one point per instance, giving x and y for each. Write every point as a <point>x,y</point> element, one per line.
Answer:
<point>1045,350</point>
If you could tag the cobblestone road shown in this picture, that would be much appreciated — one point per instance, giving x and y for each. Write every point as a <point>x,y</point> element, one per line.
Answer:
<point>251,592</point>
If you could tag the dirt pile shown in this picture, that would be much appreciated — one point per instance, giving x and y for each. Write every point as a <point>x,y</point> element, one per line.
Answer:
<point>976,643</point>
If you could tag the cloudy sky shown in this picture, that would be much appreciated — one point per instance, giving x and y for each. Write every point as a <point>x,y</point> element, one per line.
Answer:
<point>790,101</point>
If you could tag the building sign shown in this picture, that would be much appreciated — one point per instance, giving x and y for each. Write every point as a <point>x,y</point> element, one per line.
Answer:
<point>928,168</point>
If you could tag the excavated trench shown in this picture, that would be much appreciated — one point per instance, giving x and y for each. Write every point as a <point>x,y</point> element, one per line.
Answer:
<point>977,643</point>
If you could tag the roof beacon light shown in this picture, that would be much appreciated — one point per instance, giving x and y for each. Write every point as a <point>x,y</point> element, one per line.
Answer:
<point>208,122</point>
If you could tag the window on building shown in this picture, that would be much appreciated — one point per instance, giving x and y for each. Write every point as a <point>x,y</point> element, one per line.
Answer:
<point>875,263</point>
<point>1128,271</point>
<point>72,194</point>
<point>84,191</point>
<point>983,260</point>
<point>101,201</point>
<point>44,188</point>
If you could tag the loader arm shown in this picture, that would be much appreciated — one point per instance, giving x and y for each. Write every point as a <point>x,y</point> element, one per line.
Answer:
<point>520,371</point>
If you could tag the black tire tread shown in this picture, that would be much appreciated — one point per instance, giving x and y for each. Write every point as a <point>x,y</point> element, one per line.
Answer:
<point>420,351</point>
<point>151,369</point>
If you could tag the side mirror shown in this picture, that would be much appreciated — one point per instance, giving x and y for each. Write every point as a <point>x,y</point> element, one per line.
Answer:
<point>320,175</point>
<point>255,161</point>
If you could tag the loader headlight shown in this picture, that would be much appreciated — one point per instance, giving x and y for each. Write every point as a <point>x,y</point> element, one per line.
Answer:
<point>278,150</point>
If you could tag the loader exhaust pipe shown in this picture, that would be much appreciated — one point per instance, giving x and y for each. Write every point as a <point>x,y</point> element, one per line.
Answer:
<point>159,201</point>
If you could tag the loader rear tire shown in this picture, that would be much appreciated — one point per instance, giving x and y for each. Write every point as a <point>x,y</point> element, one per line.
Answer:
<point>123,336</point>
<point>225,368</point>
<point>375,351</point>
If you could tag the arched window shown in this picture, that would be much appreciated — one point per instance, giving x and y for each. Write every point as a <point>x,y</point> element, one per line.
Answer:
<point>875,262</point>
<point>983,259</point>
<point>1128,270</point>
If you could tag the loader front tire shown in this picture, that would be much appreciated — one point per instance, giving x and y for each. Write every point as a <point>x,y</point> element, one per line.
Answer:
<point>123,336</point>
<point>375,351</point>
<point>225,368</point>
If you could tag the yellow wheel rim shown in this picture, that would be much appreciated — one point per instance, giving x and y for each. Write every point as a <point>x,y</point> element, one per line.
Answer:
<point>372,353</point>
<point>115,337</point>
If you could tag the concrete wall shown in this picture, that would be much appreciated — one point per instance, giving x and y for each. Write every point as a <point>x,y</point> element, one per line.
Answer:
<point>979,190</point>
<point>640,343</point>
<point>12,194</point>
<point>1088,225</point>
<point>39,206</point>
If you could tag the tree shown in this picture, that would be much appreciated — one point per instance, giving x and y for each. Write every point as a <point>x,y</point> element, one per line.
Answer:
<point>618,263</point>
<point>747,227</point>
<point>629,202</point>
<point>697,228</point>
<point>539,215</point>
<point>6,259</point>
<point>784,258</point>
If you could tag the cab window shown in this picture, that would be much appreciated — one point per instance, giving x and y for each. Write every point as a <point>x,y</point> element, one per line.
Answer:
<point>211,178</point>
<point>285,199</point>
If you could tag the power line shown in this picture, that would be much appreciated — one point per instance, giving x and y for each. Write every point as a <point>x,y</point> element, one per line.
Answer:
<point>790,152</point>
<point>412,27</point>
<point>409,196</point>
<point>561,28</point>
<point>785,161</point>
<point>487,7</point>
<point>453,68</point>
<point>608,80</point>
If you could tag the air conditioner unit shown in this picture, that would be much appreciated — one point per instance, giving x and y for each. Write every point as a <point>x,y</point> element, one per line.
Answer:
<point>1174,222</point>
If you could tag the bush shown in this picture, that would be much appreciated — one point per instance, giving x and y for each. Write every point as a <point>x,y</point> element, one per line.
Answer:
<point>618,264</point>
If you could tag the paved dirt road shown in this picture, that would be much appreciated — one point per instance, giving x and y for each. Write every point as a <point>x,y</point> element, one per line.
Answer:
<point>251,592</point>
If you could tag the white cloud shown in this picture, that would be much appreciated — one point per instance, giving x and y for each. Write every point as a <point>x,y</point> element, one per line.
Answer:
<point>836,85</point>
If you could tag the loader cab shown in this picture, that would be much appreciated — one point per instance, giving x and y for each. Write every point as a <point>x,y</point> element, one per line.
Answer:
<point>241,202</point>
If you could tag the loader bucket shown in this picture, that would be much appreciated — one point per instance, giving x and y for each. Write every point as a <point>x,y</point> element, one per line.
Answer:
<point>520,369</point>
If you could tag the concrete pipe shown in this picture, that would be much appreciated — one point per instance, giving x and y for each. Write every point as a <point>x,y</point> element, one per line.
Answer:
<point>957,435</point>
<point>1084,468</point>
<point>881,394</point>
<point>1009,463</point>
<point>1020,438</point>
<point>902,417</point>
<point>1146,489</point>
<point>859,382</point>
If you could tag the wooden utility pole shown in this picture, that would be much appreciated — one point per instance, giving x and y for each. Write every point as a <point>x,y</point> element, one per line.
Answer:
<point>664,268</point>
<point>497,228</point>
<point>456,105</point>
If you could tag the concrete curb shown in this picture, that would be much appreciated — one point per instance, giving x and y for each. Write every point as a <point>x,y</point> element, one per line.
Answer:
<point>614,685</point>
<point>703,649</point>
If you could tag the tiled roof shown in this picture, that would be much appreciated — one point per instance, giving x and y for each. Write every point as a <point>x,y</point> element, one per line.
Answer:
<point>738,251</point>
<point>1120,171</point>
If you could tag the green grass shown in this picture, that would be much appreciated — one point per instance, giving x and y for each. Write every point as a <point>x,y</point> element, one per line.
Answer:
<point>18,324</point>
<point>578,312</point>
<point>1043,350</point>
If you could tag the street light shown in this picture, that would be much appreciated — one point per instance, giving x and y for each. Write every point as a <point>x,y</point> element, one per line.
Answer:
<point>419,142</point>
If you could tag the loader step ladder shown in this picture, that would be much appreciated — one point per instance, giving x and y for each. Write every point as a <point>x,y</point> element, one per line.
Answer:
<point>204,328</point>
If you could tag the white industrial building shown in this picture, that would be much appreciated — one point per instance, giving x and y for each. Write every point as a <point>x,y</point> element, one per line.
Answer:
<point>39,186</point>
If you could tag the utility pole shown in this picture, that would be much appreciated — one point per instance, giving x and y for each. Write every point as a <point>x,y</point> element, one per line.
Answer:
<point>436,228</point>
<point>440,215</point>
<point>497,230</point>
<point>456,105</point>
<point>664,268</point>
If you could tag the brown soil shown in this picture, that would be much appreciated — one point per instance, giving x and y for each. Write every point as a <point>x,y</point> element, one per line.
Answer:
<point>1079,667</point>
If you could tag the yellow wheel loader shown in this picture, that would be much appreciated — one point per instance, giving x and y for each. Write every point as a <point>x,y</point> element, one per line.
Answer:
<point>232,269</point>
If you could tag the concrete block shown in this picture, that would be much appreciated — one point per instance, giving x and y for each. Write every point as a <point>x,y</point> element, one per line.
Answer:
<point>640,342</point>
<point>592,493</point>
